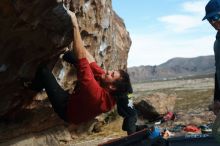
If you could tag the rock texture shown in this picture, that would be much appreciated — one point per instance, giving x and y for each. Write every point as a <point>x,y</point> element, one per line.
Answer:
<point>174,68</point>
<point>39,30</point>
<point>154,105</point>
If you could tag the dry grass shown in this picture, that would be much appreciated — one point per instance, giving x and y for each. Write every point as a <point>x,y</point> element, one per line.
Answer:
<point>108,132</point>
<point>192,94</point>
<point>193,100</point>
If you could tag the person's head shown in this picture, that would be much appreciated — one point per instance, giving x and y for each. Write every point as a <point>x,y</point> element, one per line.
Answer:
<point>213,13</point>
<point>117,82</point>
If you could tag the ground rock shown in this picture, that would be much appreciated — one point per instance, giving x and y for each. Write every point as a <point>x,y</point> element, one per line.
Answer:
<point>154,105</point>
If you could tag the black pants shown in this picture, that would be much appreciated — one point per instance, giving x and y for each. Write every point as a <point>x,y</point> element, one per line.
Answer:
<point>216,89</point>
<point>129,124</point>
<point>57,96</point>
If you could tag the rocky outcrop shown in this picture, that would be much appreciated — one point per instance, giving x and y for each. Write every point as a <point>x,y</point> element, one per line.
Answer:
<point>154,105</point>
<point>174,68</point>
<point>39,30</point>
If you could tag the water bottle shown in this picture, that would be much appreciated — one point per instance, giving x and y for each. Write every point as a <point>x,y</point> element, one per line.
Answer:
<point>216,128</point>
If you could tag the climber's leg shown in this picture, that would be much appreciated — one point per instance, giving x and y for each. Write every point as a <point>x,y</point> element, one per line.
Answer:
<point>57,96</point>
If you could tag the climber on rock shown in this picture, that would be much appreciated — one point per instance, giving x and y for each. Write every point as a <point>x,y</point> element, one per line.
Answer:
<point>96,90</point>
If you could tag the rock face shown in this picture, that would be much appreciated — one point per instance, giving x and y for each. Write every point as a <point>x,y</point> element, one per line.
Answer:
<point>39,30</point>
<point>154,105</point>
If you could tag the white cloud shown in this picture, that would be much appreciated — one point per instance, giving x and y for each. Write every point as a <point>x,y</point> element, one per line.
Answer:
<point>157,49</point>
<point>189,18</point>
<point>180,23</point>
<point>197,6</point>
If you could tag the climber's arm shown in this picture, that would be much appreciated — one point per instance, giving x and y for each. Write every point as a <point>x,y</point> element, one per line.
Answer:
<point>78,48</point>
<point>89,57</point>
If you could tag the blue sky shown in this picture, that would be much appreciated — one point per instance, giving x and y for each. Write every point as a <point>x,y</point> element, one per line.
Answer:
<point>164,29</point>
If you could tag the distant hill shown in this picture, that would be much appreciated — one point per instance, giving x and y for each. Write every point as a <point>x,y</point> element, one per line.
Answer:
<point>174,68</point>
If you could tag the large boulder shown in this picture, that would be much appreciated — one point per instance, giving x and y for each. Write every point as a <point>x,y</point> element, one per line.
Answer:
<point>39,30</point>
<point>152,106</point>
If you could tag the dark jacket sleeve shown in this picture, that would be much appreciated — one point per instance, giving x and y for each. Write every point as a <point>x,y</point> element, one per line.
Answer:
<point>217,65</point>
<point>123,109</point>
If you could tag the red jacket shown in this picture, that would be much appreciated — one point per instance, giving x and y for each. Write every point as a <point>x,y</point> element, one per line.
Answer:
<point>89,99</point>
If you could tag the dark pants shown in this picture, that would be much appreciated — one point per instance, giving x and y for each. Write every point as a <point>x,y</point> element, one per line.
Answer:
<point>217,65</point>
<point>129,124</point>
<point>57,96</point>
<point>216,89</point>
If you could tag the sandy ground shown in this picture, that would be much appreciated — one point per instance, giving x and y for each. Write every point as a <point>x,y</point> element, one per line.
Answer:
<point>204,83</point>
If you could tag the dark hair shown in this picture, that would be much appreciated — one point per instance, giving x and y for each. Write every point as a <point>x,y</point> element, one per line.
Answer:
<point>123,85</point>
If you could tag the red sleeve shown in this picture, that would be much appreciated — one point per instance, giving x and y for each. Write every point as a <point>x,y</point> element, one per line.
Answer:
<point>89,85</point>
<point>84,72</point>
<point>97,70</point>
<point>87,80</point>
<point>108,102</point>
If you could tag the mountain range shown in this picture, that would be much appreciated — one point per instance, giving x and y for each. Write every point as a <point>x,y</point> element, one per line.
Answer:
<point>174,68</point>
